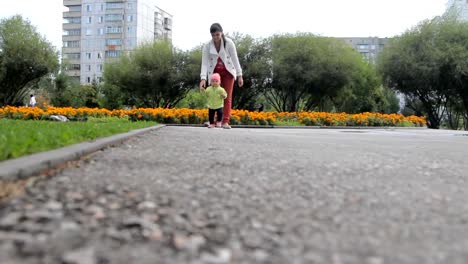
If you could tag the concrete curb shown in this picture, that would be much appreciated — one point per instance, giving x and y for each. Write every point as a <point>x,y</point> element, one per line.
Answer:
<point>31,165</point>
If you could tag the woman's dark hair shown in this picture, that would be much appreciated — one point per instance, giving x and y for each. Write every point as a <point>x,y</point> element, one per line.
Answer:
<point>216,27</point>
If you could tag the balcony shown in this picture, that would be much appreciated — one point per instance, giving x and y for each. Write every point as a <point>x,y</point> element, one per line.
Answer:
<point>114,34</point>
<point>72,73</point>
<point>67,26</point>
<point>119,11</point>
<point>71,14</point>
<point>71,37</point>
<point>114,23</point>
<point>114,47</point>
<point>167,23</point>
<point>71,50</point>
<point>71,61</point>
<point>71,2</point>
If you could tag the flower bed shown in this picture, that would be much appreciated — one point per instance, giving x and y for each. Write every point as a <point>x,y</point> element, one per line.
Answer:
<point>238,117</point>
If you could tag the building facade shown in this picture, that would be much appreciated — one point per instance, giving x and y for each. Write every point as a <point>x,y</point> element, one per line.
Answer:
<point>96,31</point>
<point>459,7</point>
<point>369,48</point>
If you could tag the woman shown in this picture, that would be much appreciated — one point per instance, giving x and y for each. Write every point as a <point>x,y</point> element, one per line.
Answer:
<point>219,55</point>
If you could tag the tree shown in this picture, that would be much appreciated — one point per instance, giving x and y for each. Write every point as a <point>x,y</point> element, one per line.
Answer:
<point>307,70</point>
<point>25,57</point>
<point>365,93</point>
<point>429,65</point>
<point>153,75</point>
<point>452,42</point>
<point>185,73</point>
<point>255,60</point>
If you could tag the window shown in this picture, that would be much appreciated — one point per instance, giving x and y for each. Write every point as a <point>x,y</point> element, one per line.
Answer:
<point>89,32</point>
<point>71,56</point>
<point>362,47</point>
<point>100,31</point>
<point>167,23</point>
<point>71,44</point>
<point>88,8</point>
<point>114,42</point>
<point>114,30</point>
<point>129,18</point>
<point>102,7</point>
<point>88,79</point>
<point>88,55</point>
<point>114,17</point>
<point>99,67</point>
<point>74,67</point>
<point>130,29</point>
<point>100,19</point>
<point>130,6</point>
<point>112,53</point>
<point>112,5</point>
<point>88,67</point>
<point>72,32</point>
<point>72,20</point>
<point>99,55</point>
<point>89,20</point>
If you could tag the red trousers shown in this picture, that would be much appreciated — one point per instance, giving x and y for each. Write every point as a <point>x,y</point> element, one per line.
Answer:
<point>227,82</point>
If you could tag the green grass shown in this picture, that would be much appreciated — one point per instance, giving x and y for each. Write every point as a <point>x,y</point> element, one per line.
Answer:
<point>23,137</point>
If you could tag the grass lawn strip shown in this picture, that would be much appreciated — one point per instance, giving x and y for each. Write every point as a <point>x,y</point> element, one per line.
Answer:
<point>24,137</point>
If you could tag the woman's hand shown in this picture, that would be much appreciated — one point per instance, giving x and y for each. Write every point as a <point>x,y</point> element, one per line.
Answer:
<point>240,81</point>
<point>202,85</point>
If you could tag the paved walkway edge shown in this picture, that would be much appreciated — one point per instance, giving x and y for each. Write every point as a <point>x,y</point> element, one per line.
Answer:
<point>304,127</point>
<point>31,165</point>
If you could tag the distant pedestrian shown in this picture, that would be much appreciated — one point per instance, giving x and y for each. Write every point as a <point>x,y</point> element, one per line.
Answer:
<point>260,107</point>
<point>215,95</point>
<point>219,55</point>
<point>32,101</point>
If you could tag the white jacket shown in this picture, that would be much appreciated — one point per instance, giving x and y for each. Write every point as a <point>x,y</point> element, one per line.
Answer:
<point>228,56</point>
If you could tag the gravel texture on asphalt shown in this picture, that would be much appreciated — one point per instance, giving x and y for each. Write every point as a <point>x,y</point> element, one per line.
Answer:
<point>197,195</point>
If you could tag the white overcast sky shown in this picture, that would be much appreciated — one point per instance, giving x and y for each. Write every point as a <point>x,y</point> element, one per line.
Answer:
<point>258,18</point>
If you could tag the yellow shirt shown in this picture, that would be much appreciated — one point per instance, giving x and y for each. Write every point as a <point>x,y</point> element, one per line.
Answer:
<point>215,97</point>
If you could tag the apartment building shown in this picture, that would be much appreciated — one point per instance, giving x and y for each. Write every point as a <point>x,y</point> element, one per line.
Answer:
<point>97,31</point>
<point>369,48</point>
<point>459,7</point>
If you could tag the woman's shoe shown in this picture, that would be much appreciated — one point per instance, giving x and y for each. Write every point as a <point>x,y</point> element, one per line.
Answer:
<point>226,126</point>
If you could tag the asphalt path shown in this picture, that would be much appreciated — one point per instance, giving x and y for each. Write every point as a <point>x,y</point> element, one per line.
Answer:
<point>371,196</point>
